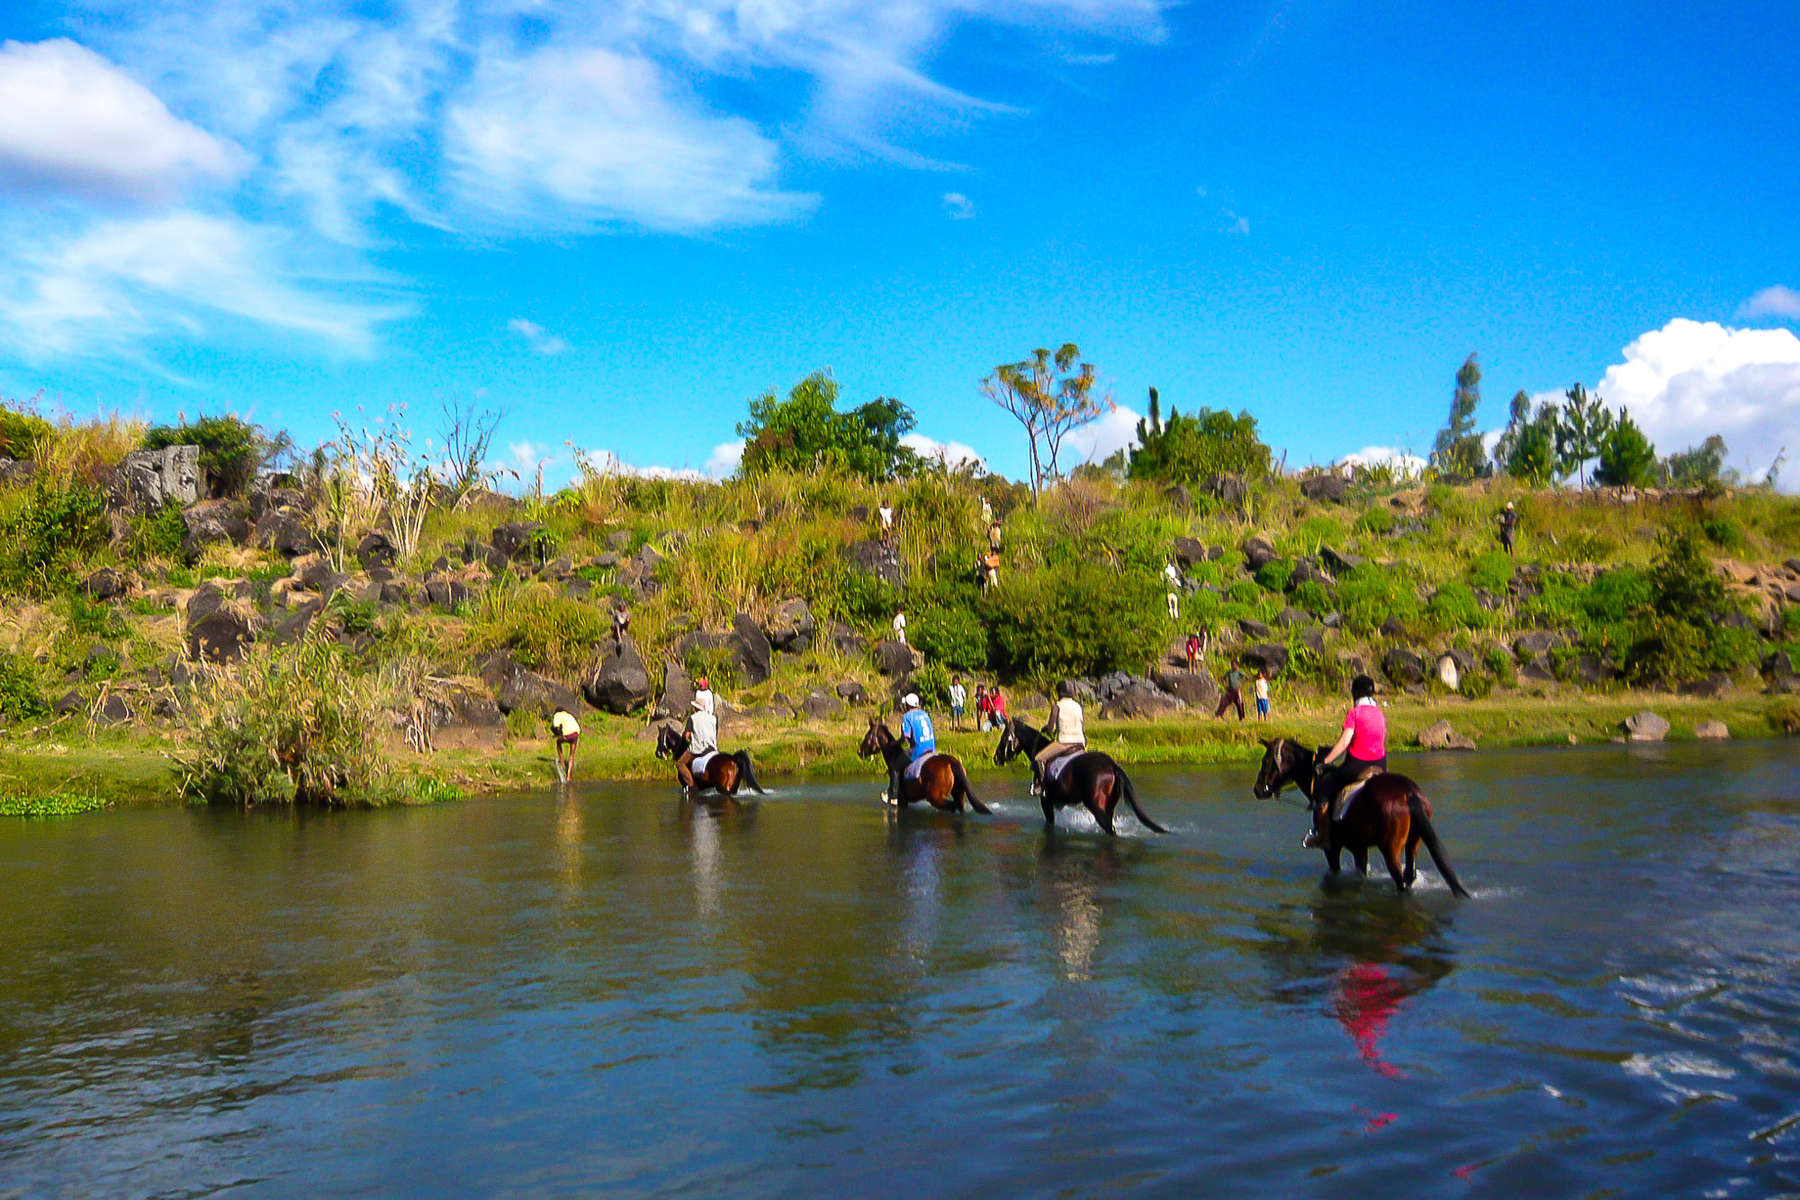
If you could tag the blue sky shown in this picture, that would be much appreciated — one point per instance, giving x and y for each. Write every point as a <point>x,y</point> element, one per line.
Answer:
<point>615,222</point>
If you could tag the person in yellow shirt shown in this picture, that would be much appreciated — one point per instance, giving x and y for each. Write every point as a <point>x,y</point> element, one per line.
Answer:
<point>567,731</point>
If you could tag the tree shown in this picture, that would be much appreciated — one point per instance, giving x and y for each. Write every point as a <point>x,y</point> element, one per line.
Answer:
<point>1627,459</point>
<point>1532,457</point>
<point>806,432</point>
<point>1051,395</point>
<point>1518,416</point>
<point>232,450</point>
<point>1582,426</point>
<point>1458,449</point>
<point>1193,449</point>
<point>1697,466</point>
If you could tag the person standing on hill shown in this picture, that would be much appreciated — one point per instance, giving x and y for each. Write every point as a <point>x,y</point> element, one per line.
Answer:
<point>1262,693</point>
<point>993,534</point>
<point>1172,578</point>
<point>885,515</point>
<point>959,698</point>
<point>1233,694</point>
<point>996,706</point>
<point>1509,525</point>
<point>981,707</point>
<point>1192,647</point>
<point>990,571</point>
<point>621,624</point>
<point>900,626</point>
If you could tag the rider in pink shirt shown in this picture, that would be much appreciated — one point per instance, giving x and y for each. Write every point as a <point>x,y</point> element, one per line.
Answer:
<point>1363,743</point>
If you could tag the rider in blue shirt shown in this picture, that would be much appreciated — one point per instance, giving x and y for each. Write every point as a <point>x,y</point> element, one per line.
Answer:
<point>915,727</point>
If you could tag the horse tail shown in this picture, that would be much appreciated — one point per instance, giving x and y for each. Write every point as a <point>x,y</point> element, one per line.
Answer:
<point>1415,801</point>
<point>962,786</point>
<point>742,759</point>
<point>1130,793</point>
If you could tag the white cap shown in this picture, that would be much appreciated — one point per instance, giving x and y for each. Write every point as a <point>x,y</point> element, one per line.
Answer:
<point>911,699</point>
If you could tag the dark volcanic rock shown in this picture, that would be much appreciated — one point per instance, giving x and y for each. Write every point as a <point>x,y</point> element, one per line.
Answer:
<point>1257,551</point>
<point>1197,689</point>
<point>376,550</point>
<point>1177,498</point>
<point>1338,563</point>
<point>212,522</point>
<point>897,660</point>
<point>876,561</point>
<point>1326,488</point>
<point>851,692</point>
<point>791,626</point>
<point>1535,647</point>
<point>1189,552</point>
<point>1140,698</point>
<point>1255,629</point>
<point>216,633</point>
<point>619,682</point>
<point>1440,736</point>
<point>822,706</point>
<point>754,654</point>
<point>677,698</point>
<point>1403,667</point>
<point>104,584</point>
<point>517,540</point>
<point>285,534</point>
<point>1270,655</point>
<point>1228,490</point>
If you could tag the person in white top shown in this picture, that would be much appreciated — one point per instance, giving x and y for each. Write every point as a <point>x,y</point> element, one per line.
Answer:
<point>1173,578</point>
<point>1064,727</point>
<point>703,738</point>
<point>900,626</point>
<point>959,699</point>
<point>1262,693</point>
<point>886,515</point>
<point>567,731</point>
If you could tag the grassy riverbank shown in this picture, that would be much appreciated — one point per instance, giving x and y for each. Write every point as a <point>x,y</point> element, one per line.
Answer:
<point>63,774</point>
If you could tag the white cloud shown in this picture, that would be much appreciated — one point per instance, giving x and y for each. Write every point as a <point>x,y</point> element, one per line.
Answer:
<point>579,138</point>
<point>1404,463</point>
<point>1095,442</point>
<point>1777,301</point>
<point>952,455</point>
<point>1235,225</point>
<point>72,121</point>
<point>958,207</point>
<point>1090,60</point>
<point>540,340</point>
<point>124,279</point>
<point>1691,379</point>
<point>724,459</point>
<point>605,462</point>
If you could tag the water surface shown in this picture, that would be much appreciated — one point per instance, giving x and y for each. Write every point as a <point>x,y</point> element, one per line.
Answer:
<point>607,992</point>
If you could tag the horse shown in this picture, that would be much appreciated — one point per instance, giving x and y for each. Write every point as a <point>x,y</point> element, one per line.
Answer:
<point>1091,779</point>
<point>1384,809</point>
<point>940,781</point>
<point>724,774</point>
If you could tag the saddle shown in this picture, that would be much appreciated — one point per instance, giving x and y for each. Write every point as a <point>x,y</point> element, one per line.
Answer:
<point>1341,805</point>
<point>1053,770</point>
<point>916,765</point>
<point>702,761</point>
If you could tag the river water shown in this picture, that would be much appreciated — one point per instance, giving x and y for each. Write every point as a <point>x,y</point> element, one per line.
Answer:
<point>607,992</point>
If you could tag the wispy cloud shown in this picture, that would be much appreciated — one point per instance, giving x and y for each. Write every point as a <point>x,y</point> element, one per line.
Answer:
<point>952,455</point>
<point>958,207</point>
<point>1236,225</point>
<point>1777,301</point>
<point>540,340</point>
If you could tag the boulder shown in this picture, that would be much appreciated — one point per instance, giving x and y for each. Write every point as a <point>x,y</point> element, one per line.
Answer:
<point>1140,698</point>
<point>14,472</point>
<point>791,626</point>
<point>148,479</point>
<point>1338,562</point>
<point>1447,672</point>
<point>1712,731</point>
<point>897,660</point>
<point>1189,552</point>
<point>1255,629</point>
<point>1440,736</point>
<point>1257,551</point>
<point>285,534</point>
<point>1228,490</point>
<point>677,693</point>
<point>376,550</point>
<point>558,569</point>
<point>1589,670</point>
<point>620,683</point>
<point>1289,618</point>
<point>212,522</point>
<point>872,559</point>
<point>112,710</point>
<point>845,640</point>
<point>443,592</point>
<point>851,692</point>
<point>293,627</point>
<point>1307,571</point>
<point>1197,689</point>
<point>1534,647</point>
<point>1393,628</point>
<point>752,648</point>
<point>104,584</point>
<point>822,706</point>
<point>1713,685</point>
<point>1271,656</point>
<point>71,702</point>
<point>1646,727</point>
<point>1402,667</point>
<point>1325,488</point>
<point>517,540</point>
<point>216,632</point>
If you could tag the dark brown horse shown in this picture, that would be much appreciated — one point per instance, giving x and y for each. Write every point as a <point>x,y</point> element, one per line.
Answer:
<point>1092,779</point>
<point>1386,811</point>
<point>725,774</point>
<point>941,781</point>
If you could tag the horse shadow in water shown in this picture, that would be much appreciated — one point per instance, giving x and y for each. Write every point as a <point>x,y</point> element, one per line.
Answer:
<point>1090,779</point>
<point>725,774</point>
<point>1384,810</point>
<point>940,781</point>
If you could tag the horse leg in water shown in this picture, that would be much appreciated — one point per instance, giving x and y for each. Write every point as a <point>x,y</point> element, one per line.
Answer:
<point>1103,793</point>
<point>1393,853</point>
<point>1361,859</point>
<point>1411,872</point>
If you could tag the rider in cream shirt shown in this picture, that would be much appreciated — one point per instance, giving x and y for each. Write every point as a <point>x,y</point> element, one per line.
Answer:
<point>1066,722</point>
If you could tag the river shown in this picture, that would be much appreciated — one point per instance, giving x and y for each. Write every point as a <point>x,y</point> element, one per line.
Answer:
<point>607,992</point>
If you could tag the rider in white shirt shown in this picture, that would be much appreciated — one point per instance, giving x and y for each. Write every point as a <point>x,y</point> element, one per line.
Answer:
<point>1065,726</point>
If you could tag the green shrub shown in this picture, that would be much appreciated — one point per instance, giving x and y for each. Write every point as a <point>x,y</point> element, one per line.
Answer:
<point>22,432</point>
<point>1376,521</point>
<point>292,725</point>
<point>953,635</point>
<point>20,699</point>
<point>1723,532</point>
<point>1454,606</point>
<point>53,528</point>
<point>231,450</point>
<point>1684,635</point>
<point>157,534</point>
<point>867,599</point>
<point>1589,546</point>
<point>1368,596</point>
<point>932,683</point>
<point>60,803</point>
<point>1493,571</point>
<point>1311,596</point>
<point>1244,592</point>
<point>718,665</point>
<point>1273,575</point>
<point>1476,685</point>
<point>1083,620</point>
<point>545,629</point>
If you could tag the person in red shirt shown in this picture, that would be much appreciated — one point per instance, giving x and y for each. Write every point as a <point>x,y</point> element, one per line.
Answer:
<point>996,706</point>
<point>1362,745</point>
